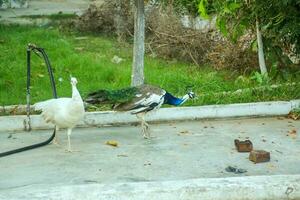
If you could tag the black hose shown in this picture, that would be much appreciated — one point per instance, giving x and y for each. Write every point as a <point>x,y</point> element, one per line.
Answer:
<point>33,146</point>
<point>52,82</point>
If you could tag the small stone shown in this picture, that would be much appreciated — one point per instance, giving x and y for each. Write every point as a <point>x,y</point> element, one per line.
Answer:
<point>235,170</point>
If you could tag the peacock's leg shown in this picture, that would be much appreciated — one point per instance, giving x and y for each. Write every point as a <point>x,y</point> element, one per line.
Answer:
<point>69,140</point>
<point>147,127</point>
<point>140,116</point>
<point>55,140</point>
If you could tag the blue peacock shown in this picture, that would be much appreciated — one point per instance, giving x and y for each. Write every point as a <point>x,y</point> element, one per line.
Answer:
<point>138,100</point>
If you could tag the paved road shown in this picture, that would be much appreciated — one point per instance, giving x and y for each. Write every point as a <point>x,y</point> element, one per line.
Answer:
<point>178,151</point>
<point>43,7</point>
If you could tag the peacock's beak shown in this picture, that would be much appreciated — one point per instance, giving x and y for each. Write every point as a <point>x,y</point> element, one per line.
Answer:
<point>192,95</point>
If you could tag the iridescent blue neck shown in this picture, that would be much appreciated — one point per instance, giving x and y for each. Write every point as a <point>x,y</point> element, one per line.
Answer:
<point>170,99</point>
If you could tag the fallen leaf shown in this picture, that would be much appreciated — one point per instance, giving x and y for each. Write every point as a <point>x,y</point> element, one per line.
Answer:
<point>41,75</point>
<point>112,143</point>
<point>79,48</point>
<point>122,155</point>
<point>81,38</point>
<point>263,140</point>
<point>184,132</point>
<point>292,133</point>
<point>270,166</point>
<point>116,59</point>
<point>279,151</point>
<point>294,115</point>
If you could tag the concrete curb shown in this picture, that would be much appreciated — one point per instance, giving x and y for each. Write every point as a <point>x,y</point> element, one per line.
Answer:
<point>273,108</point>
<point>231,188</point>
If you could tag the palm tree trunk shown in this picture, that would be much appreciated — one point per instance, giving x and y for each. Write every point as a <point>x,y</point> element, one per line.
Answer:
<point>261,57</point>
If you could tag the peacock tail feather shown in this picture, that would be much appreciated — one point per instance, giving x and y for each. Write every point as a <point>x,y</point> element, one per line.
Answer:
<point>114,96</point>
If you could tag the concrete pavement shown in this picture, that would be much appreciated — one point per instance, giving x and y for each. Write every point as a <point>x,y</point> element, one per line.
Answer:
<point>43,7</point>
<point>178,151</point>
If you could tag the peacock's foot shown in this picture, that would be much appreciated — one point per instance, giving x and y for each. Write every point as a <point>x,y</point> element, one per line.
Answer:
<point>145,133</point>
<point>55,142</point>
<point>71,151</point>
<point>145,136</point>
<point>149,136</point>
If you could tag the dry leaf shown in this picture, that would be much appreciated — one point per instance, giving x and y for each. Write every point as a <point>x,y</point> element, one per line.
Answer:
<point>112,143</point>
<point>292,133</point>
<point>294,115</point>
<point>81,38</point>
<point>122,155</point>
<point>41,75</point>
<point>270,166</point>
<point>184,132</point>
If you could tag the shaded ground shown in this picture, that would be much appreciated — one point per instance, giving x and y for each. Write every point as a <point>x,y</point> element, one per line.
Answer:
<point>179,151</point>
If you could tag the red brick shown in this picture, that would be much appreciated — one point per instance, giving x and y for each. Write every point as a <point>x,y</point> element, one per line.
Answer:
<point>258,156</point>
<point>243,146</point>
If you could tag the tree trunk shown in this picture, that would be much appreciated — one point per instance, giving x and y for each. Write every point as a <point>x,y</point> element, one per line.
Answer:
<point>137,74</point>
<point>261,57</point>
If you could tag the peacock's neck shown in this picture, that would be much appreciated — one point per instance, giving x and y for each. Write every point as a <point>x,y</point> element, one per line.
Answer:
<point>170,99</point>
<point>75,94</point>
<point>185,98</point>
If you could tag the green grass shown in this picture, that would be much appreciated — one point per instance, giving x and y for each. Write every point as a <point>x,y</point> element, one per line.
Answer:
<point>90,61</point>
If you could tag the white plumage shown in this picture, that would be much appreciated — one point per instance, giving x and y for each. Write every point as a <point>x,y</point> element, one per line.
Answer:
<point>63,112</point>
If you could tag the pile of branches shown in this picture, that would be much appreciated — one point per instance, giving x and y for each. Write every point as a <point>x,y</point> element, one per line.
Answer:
<point>107,16</point>
<point>237,56</point>
<point>166,36</point>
